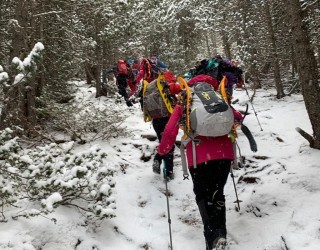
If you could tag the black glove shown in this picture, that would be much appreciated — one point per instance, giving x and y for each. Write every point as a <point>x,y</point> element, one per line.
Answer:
<point>157,163</point>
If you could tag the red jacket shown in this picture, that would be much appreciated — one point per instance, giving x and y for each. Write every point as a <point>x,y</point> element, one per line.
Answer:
<point>142,74</point>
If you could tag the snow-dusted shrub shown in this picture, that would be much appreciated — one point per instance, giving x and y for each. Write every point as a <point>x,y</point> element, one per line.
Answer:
<point>85,120</point>
<point>3,76</point>
<point>49,176</point>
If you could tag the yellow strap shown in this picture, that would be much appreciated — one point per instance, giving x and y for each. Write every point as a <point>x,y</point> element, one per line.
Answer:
<point>223,91</point>
<point>185,87</point>
<point>146,116</point>
<point>163,95</point>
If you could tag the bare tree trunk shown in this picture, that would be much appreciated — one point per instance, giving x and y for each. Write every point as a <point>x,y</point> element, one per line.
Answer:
<point>225,41</point>
<point>293,63</point>
<point>30,106</point>
<point>274,54</point>
<point>98,58</point>
<point>214,43</point>
<point>19,106</point>
<point>307,67</point>
<point>207,43</point>
<point>250,50</point>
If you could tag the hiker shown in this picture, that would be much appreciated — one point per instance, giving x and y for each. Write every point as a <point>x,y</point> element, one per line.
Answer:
<point>131,80</point>
<point>121,72</point>
<point>135,67</point>
<point>230,69</point>
<point>213,161</point>
<point>157,108</point>
<point>149,68</point>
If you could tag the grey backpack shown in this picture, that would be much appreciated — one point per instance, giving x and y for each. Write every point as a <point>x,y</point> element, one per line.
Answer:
<point>210,115</point>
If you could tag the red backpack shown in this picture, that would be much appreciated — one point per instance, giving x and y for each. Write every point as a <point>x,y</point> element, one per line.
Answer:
<point>122,67</point>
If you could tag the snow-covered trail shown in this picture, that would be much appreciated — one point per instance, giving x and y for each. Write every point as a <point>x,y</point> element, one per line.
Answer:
<point>279,188</point>
<point>266,187</point>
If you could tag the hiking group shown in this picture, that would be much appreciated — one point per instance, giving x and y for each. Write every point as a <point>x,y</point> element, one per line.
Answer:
<point>201,107</point>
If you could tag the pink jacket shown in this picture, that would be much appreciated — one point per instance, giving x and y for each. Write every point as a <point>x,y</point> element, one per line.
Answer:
<point>210,148</point>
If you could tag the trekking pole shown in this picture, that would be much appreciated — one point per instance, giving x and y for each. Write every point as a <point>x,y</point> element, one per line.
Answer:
<point>167,195</point>
<point>235,189</point>
<point>255,113</point>
<point>234,184</point>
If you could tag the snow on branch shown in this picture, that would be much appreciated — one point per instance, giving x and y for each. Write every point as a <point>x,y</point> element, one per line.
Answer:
<point>28,65</point>
<point>50,176</point>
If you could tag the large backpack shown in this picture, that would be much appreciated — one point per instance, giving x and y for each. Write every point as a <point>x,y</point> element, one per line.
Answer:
<point>208,67</point>
<point>205,111</point>
<point>153,66</point>
<point>157,102</point>
<point>210,115</point>
<point>122,67</point>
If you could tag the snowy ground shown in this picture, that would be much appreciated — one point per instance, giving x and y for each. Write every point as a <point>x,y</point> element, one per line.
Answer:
<point>279,188</point>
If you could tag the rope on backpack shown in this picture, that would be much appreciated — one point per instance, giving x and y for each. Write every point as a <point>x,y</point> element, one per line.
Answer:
<point>185,98</point>
<point>227,98</point>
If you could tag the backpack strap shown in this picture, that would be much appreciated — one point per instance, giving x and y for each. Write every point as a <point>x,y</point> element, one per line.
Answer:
<point>223,91</point>
<point>146,116</point>
<point>184,162</point>
<point>194,155</point>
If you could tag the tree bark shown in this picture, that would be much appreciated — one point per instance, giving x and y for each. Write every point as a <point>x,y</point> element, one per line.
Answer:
<point>19,105</point>
<point>306,66</point>
<point>225,40</point>
<point>274,54</point>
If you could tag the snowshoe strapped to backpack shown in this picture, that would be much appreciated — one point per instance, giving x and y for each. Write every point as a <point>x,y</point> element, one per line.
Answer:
<point>156,99</point>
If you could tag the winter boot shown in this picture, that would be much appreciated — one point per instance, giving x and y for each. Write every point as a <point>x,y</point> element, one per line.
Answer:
<point>156,167</point>
<point>220,243</point>
<point>156,163</point>
<point>213,218</point>
<point>129,103</point>
<point>169,175</point>
<point>168,158</point>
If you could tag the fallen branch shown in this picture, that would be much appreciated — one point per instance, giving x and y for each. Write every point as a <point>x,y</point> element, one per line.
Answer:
<point>284,242</point>
<point>307,136</point>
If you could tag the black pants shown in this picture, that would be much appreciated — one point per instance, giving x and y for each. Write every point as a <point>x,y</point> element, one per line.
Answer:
<point>209,180</point>
<point>122,86</point>
<point>158,125</point>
